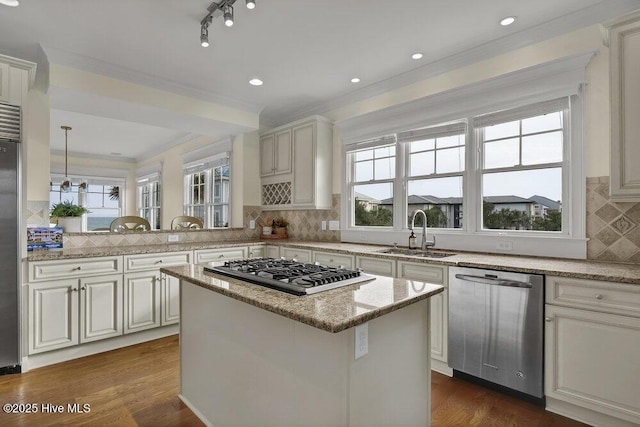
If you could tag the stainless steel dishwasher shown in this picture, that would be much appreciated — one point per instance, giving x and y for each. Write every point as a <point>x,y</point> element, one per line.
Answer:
<point>496,328</point>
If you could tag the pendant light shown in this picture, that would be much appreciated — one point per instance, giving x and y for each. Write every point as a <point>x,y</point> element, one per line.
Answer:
<point>65,187</point>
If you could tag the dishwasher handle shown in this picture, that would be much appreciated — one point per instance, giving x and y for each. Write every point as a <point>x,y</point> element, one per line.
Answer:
<point>493,281</point>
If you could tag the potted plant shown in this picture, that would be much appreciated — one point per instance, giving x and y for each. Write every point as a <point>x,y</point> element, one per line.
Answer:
<point>280,225</point>
<point>69,215</point>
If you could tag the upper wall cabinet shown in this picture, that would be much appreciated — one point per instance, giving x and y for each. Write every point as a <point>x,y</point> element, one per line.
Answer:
<point>624,36</point>
<point>275,153</point>
<point>306,148</point>
<point>16,76</point>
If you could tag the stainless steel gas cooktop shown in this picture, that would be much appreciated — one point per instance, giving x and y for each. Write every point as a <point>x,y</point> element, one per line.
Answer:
<point>290,276</point>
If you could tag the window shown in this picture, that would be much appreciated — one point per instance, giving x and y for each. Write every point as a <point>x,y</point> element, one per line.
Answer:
<point>372,183</point>
<point>435,165</point>
<point>100,195</point>
<point>505,171</point>
<point>148,199</point>
<point>207,190</point>
<point>522,167</point>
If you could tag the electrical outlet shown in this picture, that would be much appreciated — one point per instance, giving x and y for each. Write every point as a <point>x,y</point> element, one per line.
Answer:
<point>173,238</point>
<point>507,245</point>
<point>323,225</point>
<point>252,224</point>
<point>334,225</point>
<point>362,340</point>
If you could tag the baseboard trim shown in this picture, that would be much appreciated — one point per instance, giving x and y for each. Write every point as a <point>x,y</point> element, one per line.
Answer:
<point>585,415</point>
<point>441,367</point>
<point>62,355</point>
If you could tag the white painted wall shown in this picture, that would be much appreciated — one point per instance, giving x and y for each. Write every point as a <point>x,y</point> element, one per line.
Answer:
<point>37,159</point>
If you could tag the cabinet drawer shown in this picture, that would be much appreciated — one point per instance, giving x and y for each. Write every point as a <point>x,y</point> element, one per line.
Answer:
<point>423,272</point>
<point>334,260</point>
<point>152,261</point>
<point>256,252</point>
<point>379,266</point>
<point>223,254</point>
<point>81,267</point>
<point>610,297</point>
<point>302,255</point>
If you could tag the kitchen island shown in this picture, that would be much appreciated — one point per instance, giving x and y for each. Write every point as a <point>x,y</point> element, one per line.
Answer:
<point>256,356</point>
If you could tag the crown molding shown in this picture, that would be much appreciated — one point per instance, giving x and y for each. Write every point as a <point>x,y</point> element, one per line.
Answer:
<point>149,154</point>
<point>97,66</point>
<point>592,15</point>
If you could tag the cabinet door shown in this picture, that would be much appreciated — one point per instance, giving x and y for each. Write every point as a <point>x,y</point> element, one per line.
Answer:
<point>282,152</point>
<point>272,251</point>
<point>267,147</point>
<point>304,165</point>
<point>100,307</point>
<point>141,301</point>
<point>591,360</point>
<point>256,251</point>
<point>4,82</point>
<point>439,326</point>
<point>170,299</point>
<point>53,315</point>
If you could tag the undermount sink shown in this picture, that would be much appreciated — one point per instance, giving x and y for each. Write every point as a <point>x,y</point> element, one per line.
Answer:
<point>417,252</point>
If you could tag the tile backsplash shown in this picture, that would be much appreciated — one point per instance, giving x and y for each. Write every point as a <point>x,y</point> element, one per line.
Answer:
<point>613,229</point>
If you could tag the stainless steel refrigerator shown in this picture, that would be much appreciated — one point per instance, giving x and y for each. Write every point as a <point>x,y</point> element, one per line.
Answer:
<point>9,238</point>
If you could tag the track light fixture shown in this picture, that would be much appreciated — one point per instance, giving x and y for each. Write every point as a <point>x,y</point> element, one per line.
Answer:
<point>222,8</point>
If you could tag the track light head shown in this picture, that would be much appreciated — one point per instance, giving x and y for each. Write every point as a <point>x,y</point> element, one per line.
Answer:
<point>204,36</point>
<point>228,15</point>
<point>251,4</point>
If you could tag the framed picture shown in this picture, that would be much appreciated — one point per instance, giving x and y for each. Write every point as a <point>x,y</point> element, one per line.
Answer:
<point>44,237</point>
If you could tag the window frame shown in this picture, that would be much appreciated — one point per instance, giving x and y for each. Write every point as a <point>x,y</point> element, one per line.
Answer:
<point>155,211</point>
<point>206,168</point>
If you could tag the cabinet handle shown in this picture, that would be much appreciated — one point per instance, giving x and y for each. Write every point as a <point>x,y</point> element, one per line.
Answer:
<point>599,296</point>
<point>221,256</point>
<point>548,319</point>
<point>77,268</point>
<point>158,262</point>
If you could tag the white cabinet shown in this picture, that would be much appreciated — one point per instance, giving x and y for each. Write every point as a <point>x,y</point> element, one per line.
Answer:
<point>379,266</point>
<point>79,267</point>
<point>53,315</point>
<point>272,251</point>
<point>220,255</point>
<point>151,298</point>
<point>4,82</point>
<point>592,350</point>
<point>332,259</point>
<point>307,183</point>
<point>256,251</point>
<point>141,301</point>
<point>64,313</point>
<point>100,307</point>
<point>439,308</point>
<point>275,153</point>
<point>624,61</point>
<point>16,77</point>
<point>302,255</point>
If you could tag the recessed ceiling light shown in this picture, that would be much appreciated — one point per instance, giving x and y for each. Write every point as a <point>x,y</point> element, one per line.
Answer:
<point>416,55</point>
<point>256,82</point>
<point>12,3</point>
<point>507,21</point>
<point>355,80</point>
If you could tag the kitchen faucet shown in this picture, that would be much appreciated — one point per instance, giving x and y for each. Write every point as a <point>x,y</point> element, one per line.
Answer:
<point>425,243</point>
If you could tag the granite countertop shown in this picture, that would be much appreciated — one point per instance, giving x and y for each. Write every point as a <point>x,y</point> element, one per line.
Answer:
<point>581,269</point>
<point>334,310</point>
<point>49,255</point>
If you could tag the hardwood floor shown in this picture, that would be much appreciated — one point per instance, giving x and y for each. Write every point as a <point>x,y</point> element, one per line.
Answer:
<point>138,386</point>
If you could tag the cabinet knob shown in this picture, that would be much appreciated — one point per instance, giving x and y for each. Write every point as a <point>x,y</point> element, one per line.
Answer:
<point>159,261</point>
<point>74,289</point>
<point>599,296</point>
<point>84,288</point>
<point>548,319</point>
<point>221,256</point>
<point>77,268</point>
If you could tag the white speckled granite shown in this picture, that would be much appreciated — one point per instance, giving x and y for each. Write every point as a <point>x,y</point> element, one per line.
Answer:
<point>333,311</point>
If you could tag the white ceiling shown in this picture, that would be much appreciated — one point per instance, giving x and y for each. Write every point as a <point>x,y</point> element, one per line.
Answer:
<point>306,51</point>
